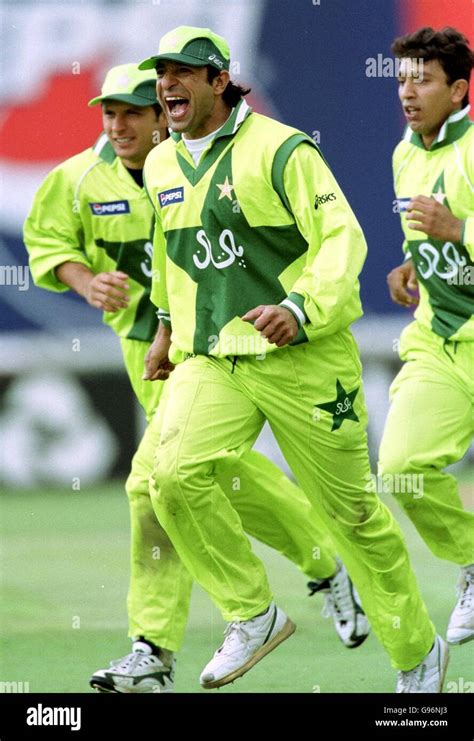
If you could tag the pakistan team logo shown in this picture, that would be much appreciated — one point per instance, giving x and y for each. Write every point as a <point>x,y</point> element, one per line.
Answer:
<point>225,189</point>
<point>342,408</point>
<point>446,260</point>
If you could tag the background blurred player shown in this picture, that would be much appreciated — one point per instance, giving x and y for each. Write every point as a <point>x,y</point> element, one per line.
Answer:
<point>90,229</point>
<point>430,422</point>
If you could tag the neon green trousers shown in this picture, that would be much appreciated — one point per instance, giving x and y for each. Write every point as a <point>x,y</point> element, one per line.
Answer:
<point>430,425</point>
<point>269,506</point>
<point>312,396</point>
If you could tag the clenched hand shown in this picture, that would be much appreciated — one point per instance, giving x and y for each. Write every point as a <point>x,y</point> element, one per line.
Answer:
<point>402,284</point>
<point>275,323</point>
<point>428,216</point>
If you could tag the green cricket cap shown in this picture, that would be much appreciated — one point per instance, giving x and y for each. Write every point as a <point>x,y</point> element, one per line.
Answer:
<point>194,46</point>
<point>128,84</point>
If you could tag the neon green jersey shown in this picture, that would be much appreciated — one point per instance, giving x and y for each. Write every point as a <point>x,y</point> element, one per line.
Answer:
<point>445,270</point>
<point>260,220</point>
<point>90,210</point>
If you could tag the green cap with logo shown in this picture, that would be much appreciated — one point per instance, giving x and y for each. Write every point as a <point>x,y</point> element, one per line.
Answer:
<point>128,84</point>
<point>196,47</point>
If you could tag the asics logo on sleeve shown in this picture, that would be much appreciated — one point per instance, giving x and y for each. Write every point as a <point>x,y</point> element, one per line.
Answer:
<point>320,200</point>
<point>168,197</point>
<point>110,208</point>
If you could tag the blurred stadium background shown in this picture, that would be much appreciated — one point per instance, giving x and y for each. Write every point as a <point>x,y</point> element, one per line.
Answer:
<point>68,419</point>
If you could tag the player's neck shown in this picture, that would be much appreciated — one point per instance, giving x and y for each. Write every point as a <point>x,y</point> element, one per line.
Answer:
<point>428,139</point>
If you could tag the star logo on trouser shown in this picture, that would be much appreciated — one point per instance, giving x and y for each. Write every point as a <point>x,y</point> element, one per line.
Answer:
<point>342,407</point>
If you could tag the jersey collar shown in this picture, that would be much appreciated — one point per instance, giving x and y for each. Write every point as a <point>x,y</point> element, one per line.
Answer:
<point>453,128</point>
<point>221,141</point>
<point>104,149</point>
<point>241,111</point>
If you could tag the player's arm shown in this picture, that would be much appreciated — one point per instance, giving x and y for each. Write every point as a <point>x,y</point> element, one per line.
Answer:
<point>336,244</point>
<point>53,232</point>
<point>157,364</point>
<point>402,284</point>
<point>434,219</point>
<point>275,323</point>
<point>105,291</point>
<point>53,235</point>
<point>336,252</point>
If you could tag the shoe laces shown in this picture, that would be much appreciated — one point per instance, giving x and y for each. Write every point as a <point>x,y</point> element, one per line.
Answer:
<point>411,681</point>
<point>135,660</point>
<point>234,634</point>
<point>465,590</point>
<point>340,601</point>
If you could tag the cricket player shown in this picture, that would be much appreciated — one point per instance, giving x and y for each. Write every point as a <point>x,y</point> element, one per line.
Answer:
<point>256,262</point>
<point>430,422</point>
<point>90,229</point>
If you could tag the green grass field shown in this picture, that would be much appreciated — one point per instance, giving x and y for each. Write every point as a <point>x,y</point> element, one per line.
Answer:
<point>64,574</point>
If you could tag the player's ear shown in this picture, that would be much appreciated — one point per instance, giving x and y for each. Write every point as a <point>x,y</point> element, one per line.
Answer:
<point>459,89</point>
<point>220,82</point>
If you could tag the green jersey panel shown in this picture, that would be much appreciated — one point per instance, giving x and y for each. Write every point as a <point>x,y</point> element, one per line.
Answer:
<point>244,228</point>
<point>445,270</point>
<point>90,210</point>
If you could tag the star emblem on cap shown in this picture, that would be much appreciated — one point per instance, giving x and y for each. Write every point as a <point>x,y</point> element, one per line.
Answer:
<point>342,407</point>
<point>226,189</point>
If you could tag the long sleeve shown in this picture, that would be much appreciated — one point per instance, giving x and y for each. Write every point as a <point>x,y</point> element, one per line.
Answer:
<point>159,295</point>
<point>52,231</point>
<point>327,292</point>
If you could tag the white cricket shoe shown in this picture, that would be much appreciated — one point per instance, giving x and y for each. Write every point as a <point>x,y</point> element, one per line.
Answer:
<point>461,622</point>
<point>429,675</point>
<point>139,672</point>
<point>343,605</point>
<point>245,644</point>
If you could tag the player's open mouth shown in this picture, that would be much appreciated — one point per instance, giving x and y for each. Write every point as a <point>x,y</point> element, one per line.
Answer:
<point>123,140</point>
<point>411,112</point>
<point>177,106</point>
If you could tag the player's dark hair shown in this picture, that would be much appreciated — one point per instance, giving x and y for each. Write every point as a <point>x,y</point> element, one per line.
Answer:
<point>233,93</point>
<point>448,46</point>
<point>157,108</point>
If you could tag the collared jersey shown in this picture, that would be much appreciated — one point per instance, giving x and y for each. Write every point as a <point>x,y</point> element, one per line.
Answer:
<point>445,270</point>
<point>90,210</point>
<point>259,220</point>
